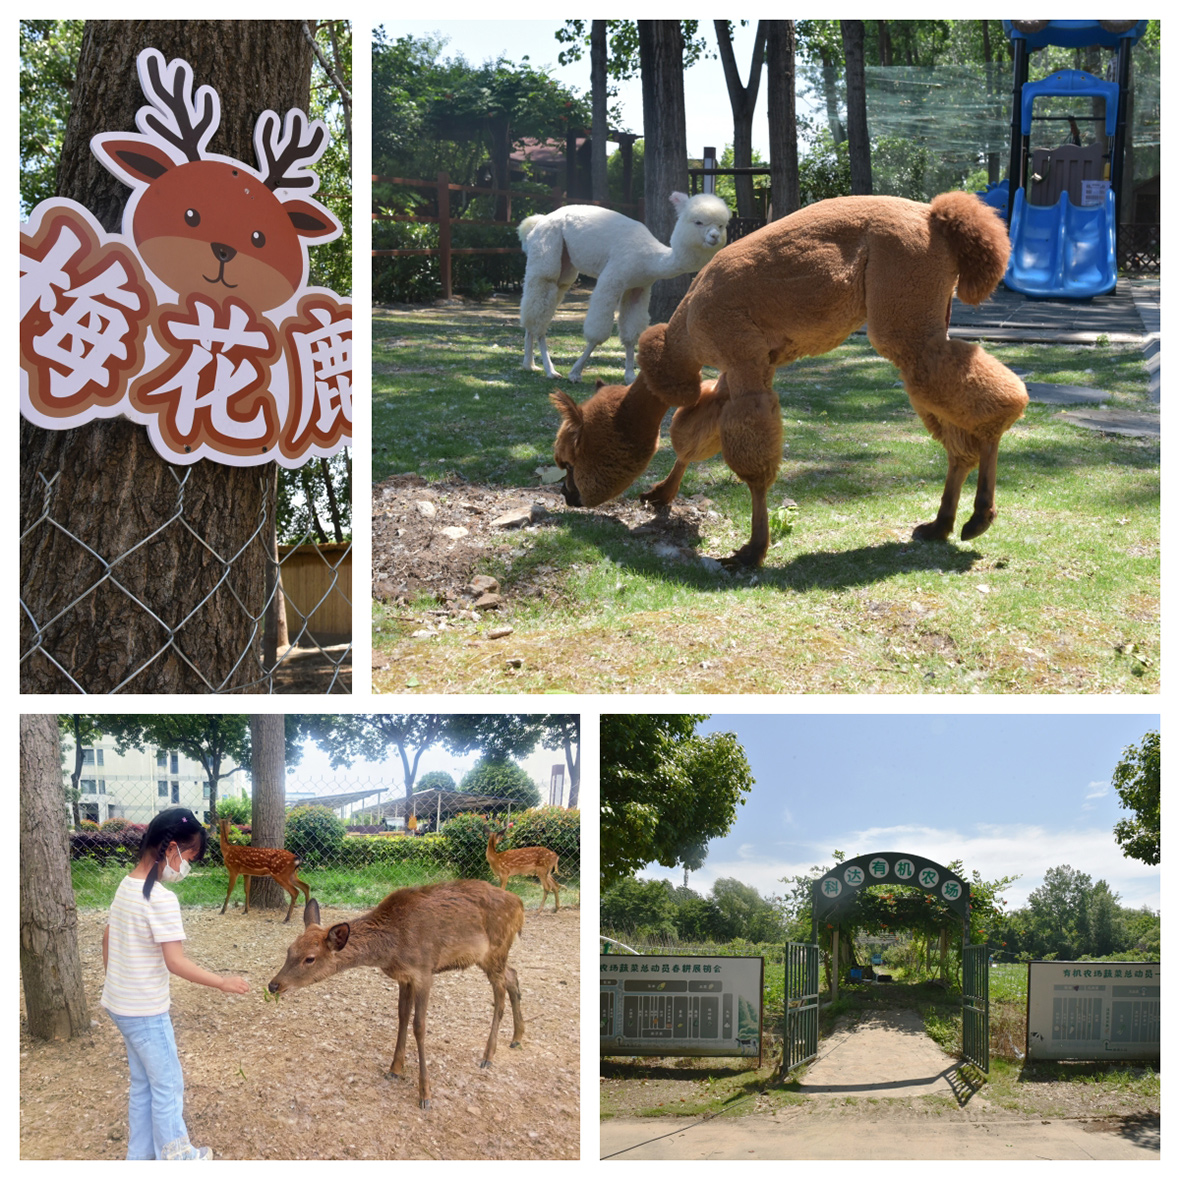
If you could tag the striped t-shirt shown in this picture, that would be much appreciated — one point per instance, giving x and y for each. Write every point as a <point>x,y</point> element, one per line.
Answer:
<point>137,977</point>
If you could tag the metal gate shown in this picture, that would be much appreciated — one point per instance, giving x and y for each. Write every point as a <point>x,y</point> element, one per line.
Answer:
<point>801,1034</point>
<point>976,1008</point>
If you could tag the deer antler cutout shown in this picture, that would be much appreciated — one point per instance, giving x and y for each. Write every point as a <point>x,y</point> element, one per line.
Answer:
<point>173,115</point>
<point>298,145</point>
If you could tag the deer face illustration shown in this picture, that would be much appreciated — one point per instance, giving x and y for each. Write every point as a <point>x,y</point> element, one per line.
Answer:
<point>207,224</point>
<point>211,228</point>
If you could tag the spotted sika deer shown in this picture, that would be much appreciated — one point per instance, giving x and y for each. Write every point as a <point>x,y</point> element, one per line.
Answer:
<point>261,862</point>
<point>525,862</point>
<point>412,936</point>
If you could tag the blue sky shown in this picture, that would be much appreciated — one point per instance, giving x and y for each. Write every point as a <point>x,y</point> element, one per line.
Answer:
<point>707,110</point>
<point>1008,794</point>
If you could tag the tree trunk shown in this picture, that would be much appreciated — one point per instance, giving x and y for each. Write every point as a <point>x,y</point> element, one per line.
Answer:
<point>742,101</point>
<point>780,114</point>
<point>831,97</point>
<point>665,150</point>
<point>599,128</point>
<point>573,759</point>
<point>268,815</point>
<point>50,969</point>
<point>103,483</point>
<point>858,121</point>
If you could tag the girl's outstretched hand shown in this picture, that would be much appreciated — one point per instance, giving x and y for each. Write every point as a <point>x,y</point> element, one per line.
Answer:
<point>235,984</point>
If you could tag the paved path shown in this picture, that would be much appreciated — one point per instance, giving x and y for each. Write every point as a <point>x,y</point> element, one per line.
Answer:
<point>858,1109</point>
<point>796,1135</point>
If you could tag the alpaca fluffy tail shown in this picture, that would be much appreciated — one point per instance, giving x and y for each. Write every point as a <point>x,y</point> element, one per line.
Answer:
<point>978,239</point>
<point>527,226</point>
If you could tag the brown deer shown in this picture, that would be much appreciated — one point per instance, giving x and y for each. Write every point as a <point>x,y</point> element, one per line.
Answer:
<point>412,936</point>
<point>525,862</point>
<point>247,862</point>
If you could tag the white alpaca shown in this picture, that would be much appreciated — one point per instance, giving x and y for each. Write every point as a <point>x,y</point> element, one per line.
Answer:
<point>625,259</point>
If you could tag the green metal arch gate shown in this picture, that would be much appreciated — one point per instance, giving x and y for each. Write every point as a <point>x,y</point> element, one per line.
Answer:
<point>832,895</point>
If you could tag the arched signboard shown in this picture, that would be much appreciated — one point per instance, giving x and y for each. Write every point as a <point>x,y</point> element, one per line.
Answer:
<point>836,891</point>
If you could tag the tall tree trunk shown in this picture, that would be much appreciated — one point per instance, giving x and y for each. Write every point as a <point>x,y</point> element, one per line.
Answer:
<point>573,759</point>
<point>858,121</point>
<point>780,113</point>
<point>268,815</point>
<point>599,128</point>
<point>665,144</point>
<point>831,96</point>
<point>103,483</point>
<point>50,969</point>
<point>742,101</point>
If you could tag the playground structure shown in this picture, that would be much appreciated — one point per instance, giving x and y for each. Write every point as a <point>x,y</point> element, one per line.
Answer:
<point>1064,206</point>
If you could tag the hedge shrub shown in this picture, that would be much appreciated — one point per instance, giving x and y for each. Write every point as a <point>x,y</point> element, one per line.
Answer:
<point>555,828</point>
<point>363,850</point>
<point>315,834</point>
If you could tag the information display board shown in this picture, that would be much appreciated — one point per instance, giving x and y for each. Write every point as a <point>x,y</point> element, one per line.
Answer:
<point>1093,1011</point>
<point>680,1005</point>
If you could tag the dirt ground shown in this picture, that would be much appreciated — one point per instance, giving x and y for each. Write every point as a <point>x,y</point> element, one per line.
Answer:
<point>880,1089</point>
<point>302,1078</point>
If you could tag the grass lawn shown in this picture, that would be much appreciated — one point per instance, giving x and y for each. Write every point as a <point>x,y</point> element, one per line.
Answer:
<point>1061,595</point>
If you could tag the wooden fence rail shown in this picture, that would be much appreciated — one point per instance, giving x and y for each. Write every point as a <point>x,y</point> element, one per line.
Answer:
<point>443,188</point>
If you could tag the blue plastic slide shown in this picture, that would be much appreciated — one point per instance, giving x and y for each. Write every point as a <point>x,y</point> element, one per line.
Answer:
<point>1063,250</point>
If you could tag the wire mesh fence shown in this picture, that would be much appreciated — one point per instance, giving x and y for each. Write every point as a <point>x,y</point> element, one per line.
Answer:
<point>351,854</point>
<point>286,612</point>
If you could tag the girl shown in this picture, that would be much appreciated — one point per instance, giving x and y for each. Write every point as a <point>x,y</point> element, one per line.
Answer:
<point>141,944</point>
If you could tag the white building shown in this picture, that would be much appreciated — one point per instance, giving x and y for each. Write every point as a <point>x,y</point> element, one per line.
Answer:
<point>138,784</point>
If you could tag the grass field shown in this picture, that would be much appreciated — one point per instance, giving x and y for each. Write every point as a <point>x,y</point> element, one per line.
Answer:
<point>1061,595</point>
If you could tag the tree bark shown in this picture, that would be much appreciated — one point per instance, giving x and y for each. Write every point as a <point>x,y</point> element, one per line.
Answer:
<point>665,144</point>
<point>743,100</point>
<point>599,128</point>
<point>103,483</point>
<point>780,114</point>
<point>858,121</point>
<point>50,969</point>
<point>268,815</point>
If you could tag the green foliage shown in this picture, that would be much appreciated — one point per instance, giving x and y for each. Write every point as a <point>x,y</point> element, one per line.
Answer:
<point>436,780</point>
<point>622,46</point>
<point>395,849</point>
<point>1136,778</point>
<point>235,808</point>
<point>115,824</point>
<point>465,841</point>
<point>315,834</point>
<point>87,825</point>
<point>666,791</point>
<point>642,908</point>
<point>503,779</point>
<point>48,56</point>
<point>557,828</point>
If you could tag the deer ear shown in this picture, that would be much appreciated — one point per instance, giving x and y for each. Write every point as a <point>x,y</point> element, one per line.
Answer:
<point>311,912</point>
<point>311,221</point>
<point>134,161</point>
<point>338,936</point>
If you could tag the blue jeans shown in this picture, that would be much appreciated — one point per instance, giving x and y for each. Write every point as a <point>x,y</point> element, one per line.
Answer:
<point>155,1110</point>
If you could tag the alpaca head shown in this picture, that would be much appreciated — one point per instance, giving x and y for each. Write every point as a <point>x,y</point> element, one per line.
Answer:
<point>700,226</point>
<point>603,445</point>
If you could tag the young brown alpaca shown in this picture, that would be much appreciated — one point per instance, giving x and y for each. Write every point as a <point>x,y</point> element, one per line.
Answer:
<point>412,936</point>
<point>799,287</point>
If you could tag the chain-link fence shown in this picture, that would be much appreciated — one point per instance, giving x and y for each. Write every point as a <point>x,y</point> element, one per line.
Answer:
<point>353,849</point>
<point>243,619</point>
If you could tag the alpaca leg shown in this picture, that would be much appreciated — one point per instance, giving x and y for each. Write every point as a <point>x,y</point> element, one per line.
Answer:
<point>696,435</point>
<point>985,492</point>
<point>752,443</point>
<point>600,319</point>
<point>537,308</point>
<point>633,321</point>
<point>941,527</point>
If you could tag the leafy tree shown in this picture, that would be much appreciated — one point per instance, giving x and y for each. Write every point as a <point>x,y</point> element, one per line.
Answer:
<point>666,790</point>
<point>697,918</point>
<point>84,729</point>
<point>630,906</point>
<point>745,912</point>
<point>1104,921</point>
<point>504,779</point>
<point>48,56</point>
<point>743,99</point>
<point>1137,780</point>
<point>1058,913</point>
<point>436,780</point>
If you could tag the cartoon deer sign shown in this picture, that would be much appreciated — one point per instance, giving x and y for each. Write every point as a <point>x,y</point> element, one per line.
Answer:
<point>203,329</point>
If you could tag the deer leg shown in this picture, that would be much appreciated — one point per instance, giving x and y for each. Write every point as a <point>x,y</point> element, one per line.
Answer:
<point>421,1001</point>
<point>294,898</point>
<point>498,993</point>
<point>233,880</point>
<point>246,879</point>
<point>513,986</point>
<point>405,1003</point>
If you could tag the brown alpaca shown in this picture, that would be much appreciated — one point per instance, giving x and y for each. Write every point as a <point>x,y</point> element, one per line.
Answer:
<point>799,287</point>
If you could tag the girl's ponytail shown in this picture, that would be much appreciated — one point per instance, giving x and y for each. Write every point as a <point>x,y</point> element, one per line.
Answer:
<point>177,823</point>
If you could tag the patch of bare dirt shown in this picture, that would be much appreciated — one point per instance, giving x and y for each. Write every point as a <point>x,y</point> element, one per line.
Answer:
<point>302,1078</point>
<point>430,537</point>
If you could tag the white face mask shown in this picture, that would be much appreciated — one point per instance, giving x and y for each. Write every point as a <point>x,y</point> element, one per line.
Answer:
<point>172,875</point>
